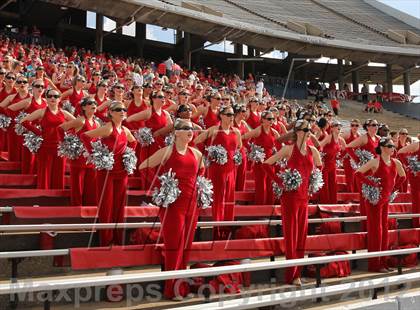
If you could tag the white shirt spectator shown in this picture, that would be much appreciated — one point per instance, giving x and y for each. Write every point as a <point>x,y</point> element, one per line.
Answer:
<point>259,88</point>
<point>378,89</point>
<point>169,63</point>
<point>138,79</point>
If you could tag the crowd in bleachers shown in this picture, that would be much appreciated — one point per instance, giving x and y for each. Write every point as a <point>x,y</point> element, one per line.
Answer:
<point>184,126</point>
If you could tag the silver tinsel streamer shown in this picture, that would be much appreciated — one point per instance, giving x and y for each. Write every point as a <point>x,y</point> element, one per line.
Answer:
<point>291,179</point>
<point>168,191</point>
<point>101,157</point>
<point>217,154</point>
<point>372,193</point>
<point>129,160</point>
<point>277,190</point>
<point>97,119</point>
<point>282,163</point>
<point>413,164</point>
<point>256,153</point>
<point>144,136</point>
<point>316,182</point>
<point>4,121</point>
<point>204,192</point>
<point>363,156</point>
<point>201,122</point>
<point>322,155</point>
<point>71,147</point>
<point>19,129</point>
<point>392,197</point>
<point>169,139</point>
<point>32,141</point>
<point>68,107</point>
<point>237,158</point>
<point>339,163</point>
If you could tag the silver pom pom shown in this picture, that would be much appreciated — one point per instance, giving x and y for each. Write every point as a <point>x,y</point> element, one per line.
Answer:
<point>316,181</point>
<point>32,141</point>
<point>277,190</point>
<point>217,154</point>
<point>101,157</point>
<point>282,163</point>
<point>71,147</point>
<point>291,179</point>
<point>413,164</point>
<point>372,193</point>
<point>169,139</point>
<point>19,129</point>
<point>204,192</point>
<point>322,155</point>
<point>363,156</point>
<point>67,106</point>
<point>237,158</point>
<point>201,122</point>
<point>4,121</point>
<point>129,160</point>
<point>168,191</point>
<point>256,153</point>
<point>100,122</point>
<point>144,136</point>
<point>393,195</point>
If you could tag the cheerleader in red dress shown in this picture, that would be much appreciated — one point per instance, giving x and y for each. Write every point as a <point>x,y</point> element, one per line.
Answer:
<point>367,142</point>
<point>331,145</point>
<point>223,176</point>
<point>100,98</point>
<point>414,176</point>
<point>386,169</point>
<point>82,175</point>
<point>112,184</point>
<point>240,116</point>
<point>7,89</point>
<point>160,122</point>
<point>264,136</point>
<point>76,93</point>
<point>14,141</point>
<point>210,112</point>
<point>349,137</point>
<point>50,166</point>
<point>179,219</point>
<point>254,117</point>
<point>294,204</point>
<point>29,105</point>
<point>402,142</point>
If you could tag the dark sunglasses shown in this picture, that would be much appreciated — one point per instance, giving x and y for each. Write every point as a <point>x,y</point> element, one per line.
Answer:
<point>185,109</point>
<point>185,128</point>
<point>2,72</point>
<point>184,94</point>
<point>96,74</point>
<point>304,129</point>
<point>53,96</point>
<point>354,125</point>
<point>40,69</point>
<point>147,86</point>
<point>243,111</point>
<point>159,97</point>
<point>390,146</point>
<point>10,78</point>
<point>217,98</point>
<point>269,118</point>
<point>119,110</point>
<point>119,87</point>
<point>403,134</point>
<point>373,125</point>
<point>38,86</point>
<point>81,80</point>
<point>158,84</point>
<point>21,82</point>
<point>91,102</point>
<point>228,114</point>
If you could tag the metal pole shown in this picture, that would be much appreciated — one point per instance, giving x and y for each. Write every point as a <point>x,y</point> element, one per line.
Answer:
<point>290,72</point>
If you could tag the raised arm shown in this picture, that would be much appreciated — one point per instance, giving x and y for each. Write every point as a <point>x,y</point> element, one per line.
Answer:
<point>157,158</point>
<point>285,152</point>
<point>362,140</point>
<point>76,123</point>
<point>411,148</point>
<point>21,105</point>
<point>252,133</point>
<point>38,114</point>
<point>140,116</point>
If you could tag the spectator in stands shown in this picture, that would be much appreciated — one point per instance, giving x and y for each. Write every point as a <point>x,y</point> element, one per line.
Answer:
<point>378,91</point>
<point>383,130</point>
<point>169,63</point>
<point>387,169</point>
<point>259,88</point>
<point>179,220</point>
<point>161,69</point>
<point>112,184</point>
<point>137,76</point>
<point>294,204</point>
<point>335,105</point>
<point>365,93</point>
<point>377,106</point>
<point>370,107</point>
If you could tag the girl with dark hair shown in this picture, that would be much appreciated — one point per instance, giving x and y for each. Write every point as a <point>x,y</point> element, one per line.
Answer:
<point>179,219</point>
<point>112,184</point>
<point>386,169</point>
<point>240,123</point>
<point>349,137</point>
<point>82,175</point>
<point>210,112</point>
<point>222,173</point>
<point>403,140</point>
<point>264,136</point>
<point>160,122</point>
<point>29,105</point>
<point>50,166</point>
<point>294,204</point>
<point>413,151</point>
<point>100,98</point>
<point>76,93</point>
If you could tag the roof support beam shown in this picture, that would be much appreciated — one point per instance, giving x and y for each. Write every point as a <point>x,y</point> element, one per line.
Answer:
<point>355,69</point>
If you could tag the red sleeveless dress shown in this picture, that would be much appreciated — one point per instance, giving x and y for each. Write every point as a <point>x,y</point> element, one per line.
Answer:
<point>50,166</point>
<point>75,99</point>
<point>348,170</point>
<point>211,119</point>
<point>254,120</point>
<point>328,193</point>
<point>415,190</point>
<point>112,189</point>
<point>3,134</point>
<point>223,178</point>
<point>179,220</point>
<point>241,169</point>
<point>294,210</point>
<point>263,187</point>
<point>377,215</point>
<point>102,115</point>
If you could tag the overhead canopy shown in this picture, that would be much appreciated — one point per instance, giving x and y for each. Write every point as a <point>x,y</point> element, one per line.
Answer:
<point>306,27</point>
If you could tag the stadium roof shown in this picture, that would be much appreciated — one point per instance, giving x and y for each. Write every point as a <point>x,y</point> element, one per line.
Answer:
<point>343,29</point>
